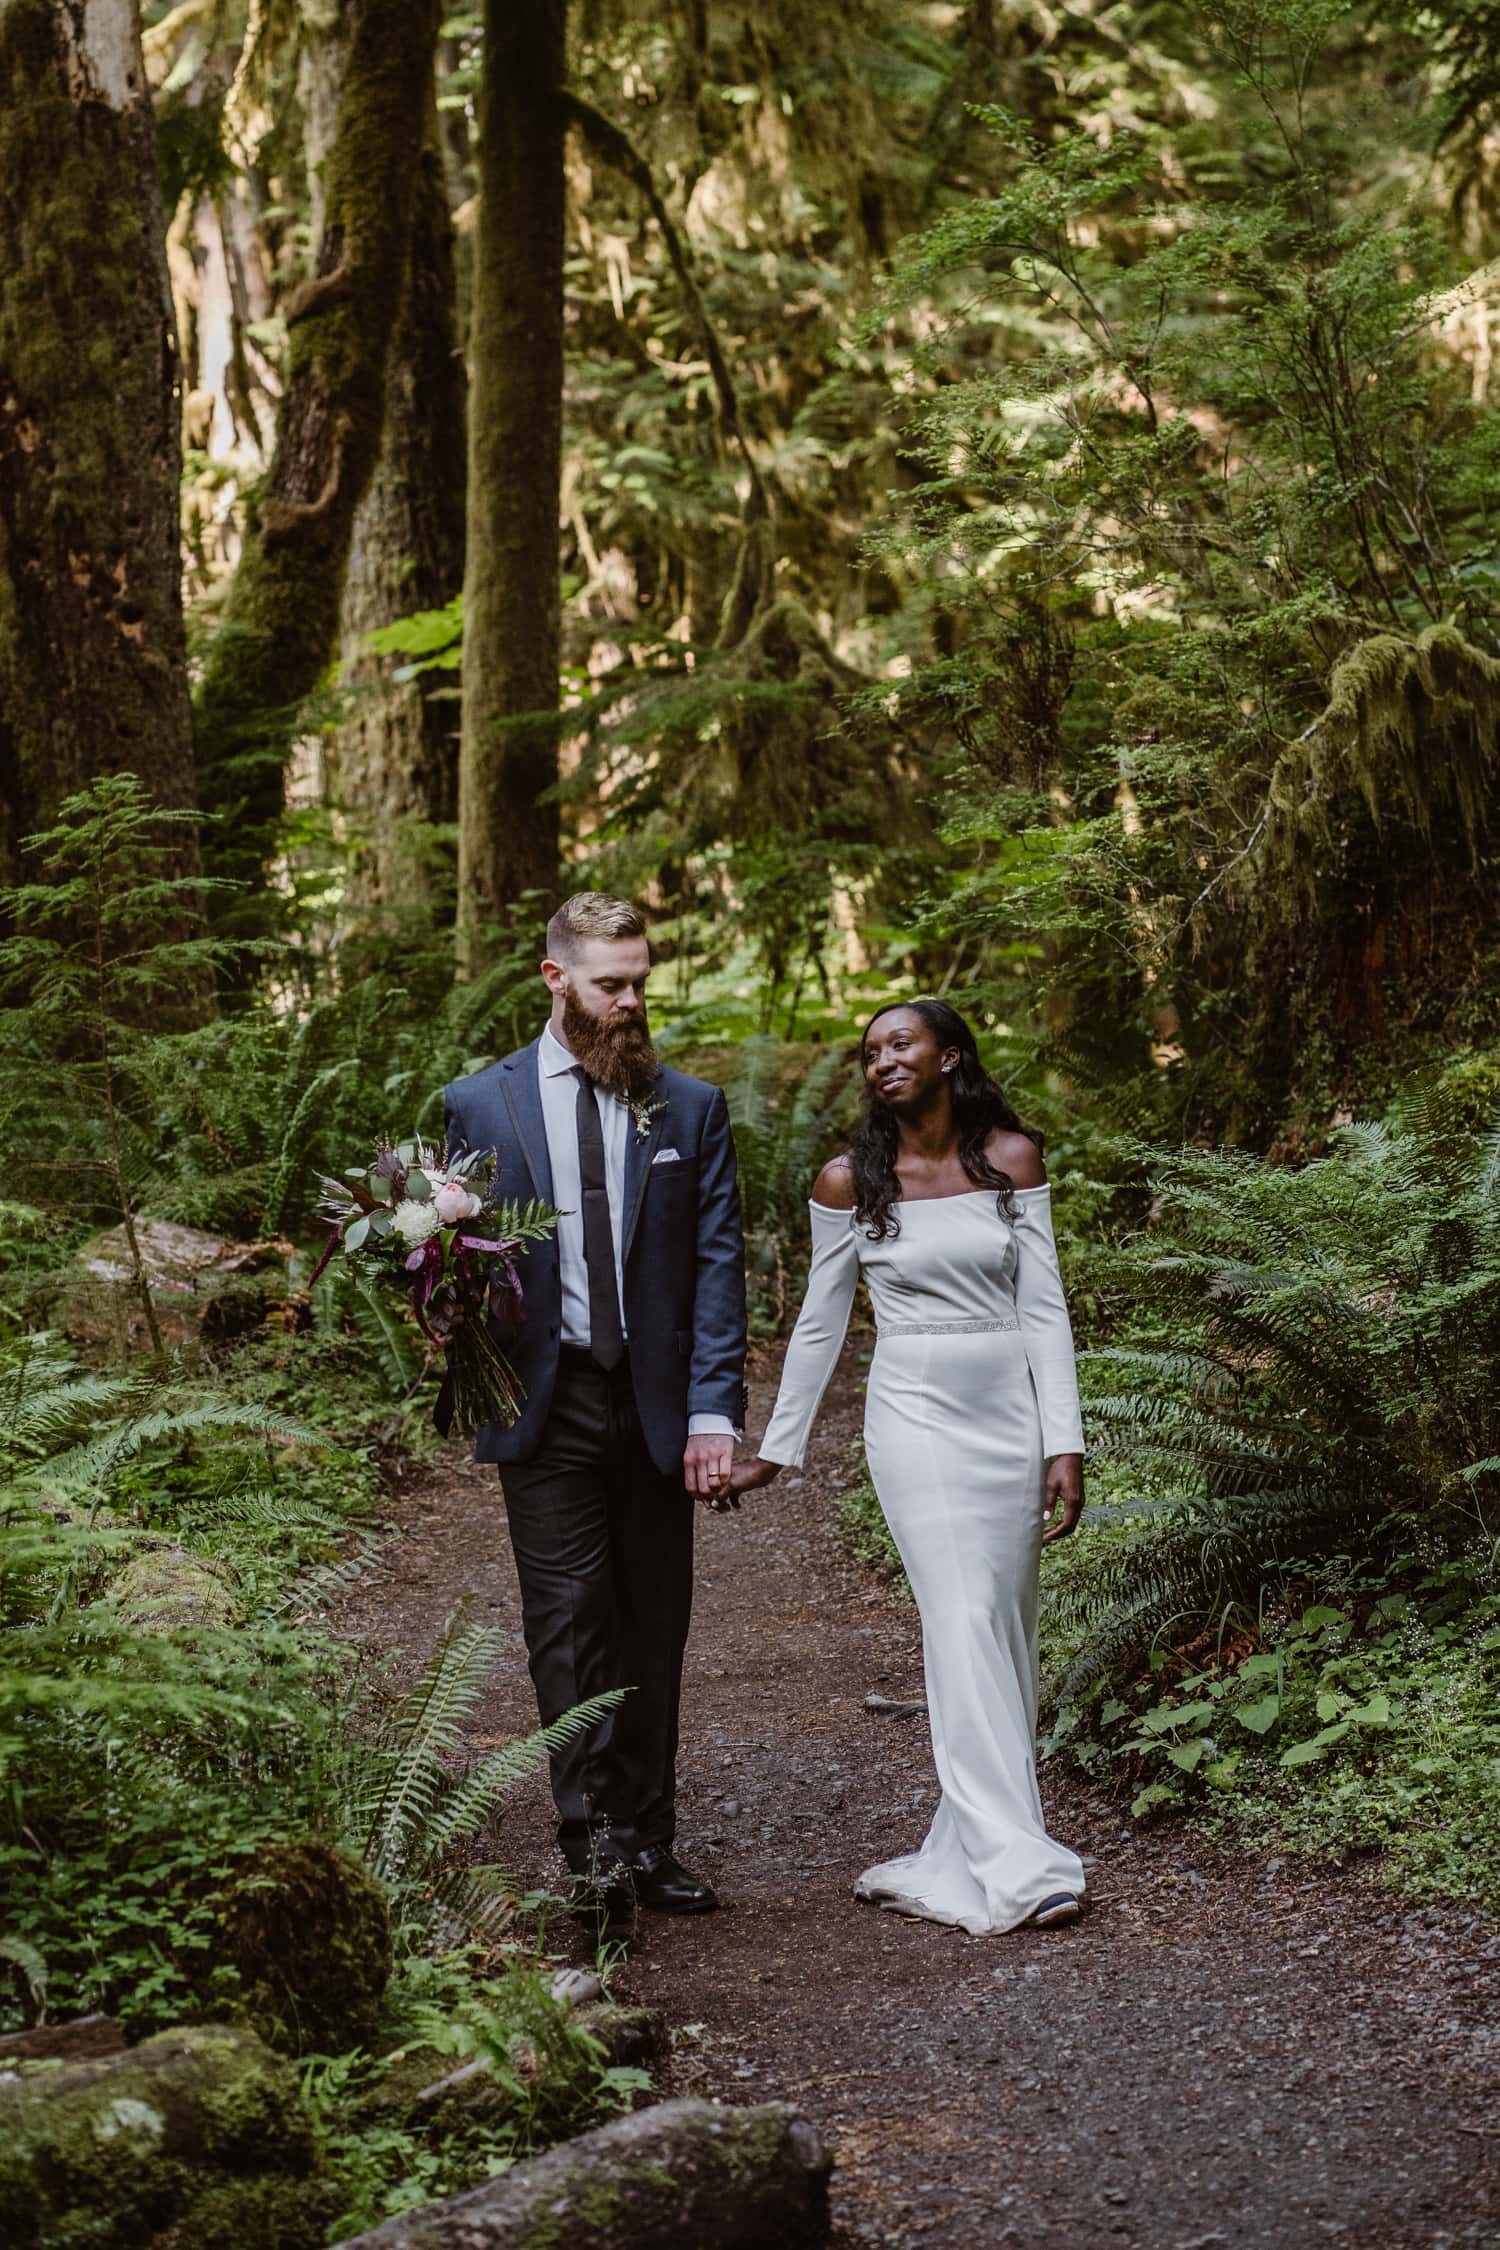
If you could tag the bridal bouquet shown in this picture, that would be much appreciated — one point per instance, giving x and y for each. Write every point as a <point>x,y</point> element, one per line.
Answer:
<point>435,1232</point>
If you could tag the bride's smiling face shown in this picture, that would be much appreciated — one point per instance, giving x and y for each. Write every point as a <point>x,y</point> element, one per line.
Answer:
<point>903,1064</point>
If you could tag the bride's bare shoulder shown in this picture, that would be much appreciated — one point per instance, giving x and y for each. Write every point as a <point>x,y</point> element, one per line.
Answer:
<point>1018,1157</point>
<point>834,1185</point>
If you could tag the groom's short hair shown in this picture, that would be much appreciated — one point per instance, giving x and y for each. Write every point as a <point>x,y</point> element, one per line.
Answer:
<point>591,914</point>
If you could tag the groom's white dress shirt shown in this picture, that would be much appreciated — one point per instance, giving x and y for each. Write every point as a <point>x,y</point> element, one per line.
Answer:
<point>556,1069</point>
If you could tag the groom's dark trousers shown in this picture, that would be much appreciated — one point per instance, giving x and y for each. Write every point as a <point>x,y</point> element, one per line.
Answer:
<point>601,1524</point>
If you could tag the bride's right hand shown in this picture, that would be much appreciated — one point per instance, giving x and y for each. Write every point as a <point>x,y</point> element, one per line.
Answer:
<point>749,1476</point>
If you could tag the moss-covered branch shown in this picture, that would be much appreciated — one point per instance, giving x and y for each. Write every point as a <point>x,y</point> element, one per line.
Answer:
<point>753,571</point>
<point>281,622</point>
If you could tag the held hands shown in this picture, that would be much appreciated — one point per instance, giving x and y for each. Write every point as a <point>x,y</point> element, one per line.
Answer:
<point>1062,1496</point>
<point>712,1475</point>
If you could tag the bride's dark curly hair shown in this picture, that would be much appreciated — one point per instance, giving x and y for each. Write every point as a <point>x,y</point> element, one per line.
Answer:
<point>978,1108</point>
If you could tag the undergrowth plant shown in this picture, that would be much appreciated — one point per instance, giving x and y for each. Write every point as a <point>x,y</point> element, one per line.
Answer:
<point>1315,1376</point>
<point>1282,1608</point>
<point>784,1125</point>
<point>546,2077</point>
<point>410,1802</point>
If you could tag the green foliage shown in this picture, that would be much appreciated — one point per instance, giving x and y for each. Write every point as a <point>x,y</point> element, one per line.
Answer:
<point>140,1766</point>
<point>409,1798</point>
<point>106,964</point>
<point>1313,1369</point>
<point>1365,1723</point>
<point>864,1530</point>
<point>1199,542</point>
<point>785,1123</point>
<point>545,2077</point>
<point>1281,1603</point>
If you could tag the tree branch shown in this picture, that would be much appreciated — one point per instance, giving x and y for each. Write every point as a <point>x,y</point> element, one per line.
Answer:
<point>615,148</point>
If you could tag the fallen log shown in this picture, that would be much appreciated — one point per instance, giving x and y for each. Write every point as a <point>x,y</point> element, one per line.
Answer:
<point>681,2176</point>
<point>78,2039</point>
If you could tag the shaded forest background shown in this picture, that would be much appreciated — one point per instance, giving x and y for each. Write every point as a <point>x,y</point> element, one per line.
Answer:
<point>995,499</point>
<point>999,498</point>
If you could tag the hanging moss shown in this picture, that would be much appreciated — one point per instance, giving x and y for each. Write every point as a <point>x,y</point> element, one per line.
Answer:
<point>1412,728</point>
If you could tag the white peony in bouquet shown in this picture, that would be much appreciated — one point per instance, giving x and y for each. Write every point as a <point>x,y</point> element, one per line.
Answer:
<point>435,1229</point>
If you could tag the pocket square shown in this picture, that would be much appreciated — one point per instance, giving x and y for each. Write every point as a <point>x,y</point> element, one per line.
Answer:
<point>667,1156</point>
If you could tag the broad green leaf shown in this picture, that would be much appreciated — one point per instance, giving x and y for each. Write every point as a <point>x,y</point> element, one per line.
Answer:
<point>1330,1704</point>
<point>1186,1754</point>
<point>1168,1715</point>
<point>1261,1715</point>
<point>355,1235</point>
<point>1303,1753</point>
<point>1375,1711</point>
<point>1262,1666</point>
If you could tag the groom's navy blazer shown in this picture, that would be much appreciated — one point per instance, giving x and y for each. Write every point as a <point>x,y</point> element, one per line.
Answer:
<point>684,1254</point>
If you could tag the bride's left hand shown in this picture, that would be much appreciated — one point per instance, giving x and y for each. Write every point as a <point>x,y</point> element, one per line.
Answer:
<point>1062,1496</point>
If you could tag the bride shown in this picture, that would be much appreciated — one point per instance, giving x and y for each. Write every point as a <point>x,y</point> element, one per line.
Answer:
<point>973,1437</point>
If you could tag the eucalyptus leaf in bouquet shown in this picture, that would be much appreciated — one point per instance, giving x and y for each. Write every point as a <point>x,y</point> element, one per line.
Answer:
<point>436,1232</point>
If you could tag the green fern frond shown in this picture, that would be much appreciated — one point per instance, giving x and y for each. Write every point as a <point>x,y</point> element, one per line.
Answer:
<point>86,1466</point>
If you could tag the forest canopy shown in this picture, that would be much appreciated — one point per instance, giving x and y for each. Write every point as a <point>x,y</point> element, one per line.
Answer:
<point>999,499</point>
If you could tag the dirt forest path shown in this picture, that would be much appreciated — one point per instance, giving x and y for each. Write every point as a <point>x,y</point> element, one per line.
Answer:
<point>1230,2050</point>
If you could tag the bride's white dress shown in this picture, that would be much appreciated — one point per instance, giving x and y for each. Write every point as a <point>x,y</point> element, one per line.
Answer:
<point>972,1388</point>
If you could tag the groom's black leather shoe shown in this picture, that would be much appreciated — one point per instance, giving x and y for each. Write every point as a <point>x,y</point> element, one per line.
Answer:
<point>662,1882</point>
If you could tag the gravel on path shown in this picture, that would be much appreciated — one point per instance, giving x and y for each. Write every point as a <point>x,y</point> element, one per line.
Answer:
<point>1231,2052</point>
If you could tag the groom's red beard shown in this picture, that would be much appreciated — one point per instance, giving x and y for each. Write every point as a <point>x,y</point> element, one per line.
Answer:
<point>615,1050</point>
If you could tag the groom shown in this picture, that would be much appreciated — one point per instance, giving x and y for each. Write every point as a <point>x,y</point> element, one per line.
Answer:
<point>632,1357</point>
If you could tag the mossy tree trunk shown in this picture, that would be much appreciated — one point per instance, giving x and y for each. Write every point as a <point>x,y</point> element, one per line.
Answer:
<point>93,668</point>
<point>393,762</point>
<point>281,620</point>
<point>508,838</point>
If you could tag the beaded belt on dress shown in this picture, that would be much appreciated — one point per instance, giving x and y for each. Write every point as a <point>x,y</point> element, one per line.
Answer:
<point>946,1327</point>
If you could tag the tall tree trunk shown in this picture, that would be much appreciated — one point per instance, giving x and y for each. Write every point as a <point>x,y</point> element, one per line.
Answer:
<point>508,840</point>
<point>93,667</point>
<point>394,760</point>
<point>281,619</point>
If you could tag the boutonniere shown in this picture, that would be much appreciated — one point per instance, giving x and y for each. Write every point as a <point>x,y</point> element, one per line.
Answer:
<point>644,1112</point>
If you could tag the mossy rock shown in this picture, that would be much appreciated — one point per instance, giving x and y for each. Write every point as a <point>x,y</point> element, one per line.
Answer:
<point>195,2140</point>
<point>167,1590</point>
<point>308,1929</point>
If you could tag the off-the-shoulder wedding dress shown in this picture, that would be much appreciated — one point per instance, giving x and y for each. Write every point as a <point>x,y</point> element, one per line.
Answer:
<point>972,1388</point>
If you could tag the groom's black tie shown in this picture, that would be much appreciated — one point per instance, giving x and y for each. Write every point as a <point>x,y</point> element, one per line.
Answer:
<point>606,1336</point>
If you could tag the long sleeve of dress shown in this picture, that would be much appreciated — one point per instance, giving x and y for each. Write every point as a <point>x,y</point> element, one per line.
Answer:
<point>818,1337</point>
<point>1046,1331</point>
